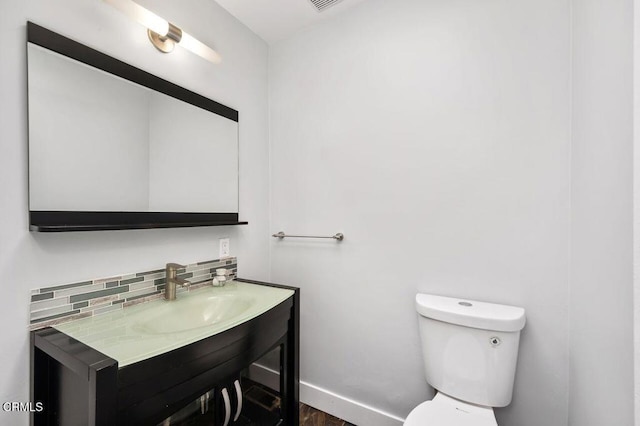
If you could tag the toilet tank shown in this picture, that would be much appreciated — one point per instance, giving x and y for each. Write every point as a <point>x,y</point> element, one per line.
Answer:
<point>470,348</point>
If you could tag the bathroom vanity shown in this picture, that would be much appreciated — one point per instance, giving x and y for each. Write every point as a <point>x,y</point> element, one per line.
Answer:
<point>147,362</point>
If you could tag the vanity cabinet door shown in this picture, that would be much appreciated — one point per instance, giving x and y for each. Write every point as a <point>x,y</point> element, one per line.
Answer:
<point>220,406</point>
<point>201,411</point>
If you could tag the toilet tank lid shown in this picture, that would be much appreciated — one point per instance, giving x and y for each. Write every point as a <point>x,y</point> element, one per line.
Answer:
<point>469,313</point>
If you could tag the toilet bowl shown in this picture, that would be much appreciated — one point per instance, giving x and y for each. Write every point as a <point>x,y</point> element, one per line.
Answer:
<point>444,410</point>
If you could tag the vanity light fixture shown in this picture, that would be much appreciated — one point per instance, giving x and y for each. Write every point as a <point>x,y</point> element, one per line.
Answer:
<point>163,34</point>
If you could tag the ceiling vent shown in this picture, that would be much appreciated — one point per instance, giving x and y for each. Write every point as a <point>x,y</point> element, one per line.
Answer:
<point>321,5</point>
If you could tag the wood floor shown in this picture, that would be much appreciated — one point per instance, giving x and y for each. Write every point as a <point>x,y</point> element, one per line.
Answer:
<point>270,400</point>
<point>309,416</point>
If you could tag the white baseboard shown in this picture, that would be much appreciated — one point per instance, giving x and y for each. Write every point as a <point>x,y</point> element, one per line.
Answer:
<point>344,408</point>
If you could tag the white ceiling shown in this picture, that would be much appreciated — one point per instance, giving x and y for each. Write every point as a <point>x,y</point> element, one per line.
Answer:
<point>274,20</point>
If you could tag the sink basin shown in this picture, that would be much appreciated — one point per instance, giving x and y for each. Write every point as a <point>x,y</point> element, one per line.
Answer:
<point>140,332</point>
<point>195,312</point>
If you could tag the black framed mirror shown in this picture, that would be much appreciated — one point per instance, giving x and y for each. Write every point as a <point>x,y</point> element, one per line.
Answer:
<point>114,147</point>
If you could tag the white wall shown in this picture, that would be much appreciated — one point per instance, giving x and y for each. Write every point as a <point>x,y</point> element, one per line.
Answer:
<point>29,260</point>
<point>601,302</point>
<point>435,134</point>
<point>636,207</point>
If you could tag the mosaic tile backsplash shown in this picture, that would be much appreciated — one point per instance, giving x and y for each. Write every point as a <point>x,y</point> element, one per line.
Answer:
<point>57,304</point>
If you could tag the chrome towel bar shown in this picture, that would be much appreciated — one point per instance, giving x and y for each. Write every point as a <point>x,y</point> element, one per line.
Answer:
<point>339,236</point>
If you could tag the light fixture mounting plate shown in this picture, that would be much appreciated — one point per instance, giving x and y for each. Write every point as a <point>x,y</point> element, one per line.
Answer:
<point>162,43</point>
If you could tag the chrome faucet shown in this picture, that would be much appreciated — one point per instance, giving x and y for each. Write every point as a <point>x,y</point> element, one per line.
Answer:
<point>172,280</point>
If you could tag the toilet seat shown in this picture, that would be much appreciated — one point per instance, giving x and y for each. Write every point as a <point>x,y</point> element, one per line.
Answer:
<point>446,411</point>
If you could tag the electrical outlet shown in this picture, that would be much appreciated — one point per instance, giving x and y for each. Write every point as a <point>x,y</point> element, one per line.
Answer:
<point>224,247</point>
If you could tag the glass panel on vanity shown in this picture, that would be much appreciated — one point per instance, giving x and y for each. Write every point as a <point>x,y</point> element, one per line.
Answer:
<point>261,391</point>
<point>199,412</point>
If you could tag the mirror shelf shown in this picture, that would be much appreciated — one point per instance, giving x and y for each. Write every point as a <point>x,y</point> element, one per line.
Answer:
<point>62,221</point>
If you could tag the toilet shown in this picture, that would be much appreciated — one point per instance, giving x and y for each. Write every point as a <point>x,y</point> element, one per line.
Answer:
<point>470,352</point>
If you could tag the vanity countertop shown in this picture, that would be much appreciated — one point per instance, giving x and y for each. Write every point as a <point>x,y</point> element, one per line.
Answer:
<point>143,331</point>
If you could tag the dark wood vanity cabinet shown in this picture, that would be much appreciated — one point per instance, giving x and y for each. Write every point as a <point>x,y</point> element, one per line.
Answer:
<point>81,386</point>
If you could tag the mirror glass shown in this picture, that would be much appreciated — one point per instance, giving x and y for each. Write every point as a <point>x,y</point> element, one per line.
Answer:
<point>98,142</point>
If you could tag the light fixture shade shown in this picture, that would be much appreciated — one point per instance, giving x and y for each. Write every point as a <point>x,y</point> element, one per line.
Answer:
<point>165,32</point>
<point>199,48</point>
<point>141,15</point>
